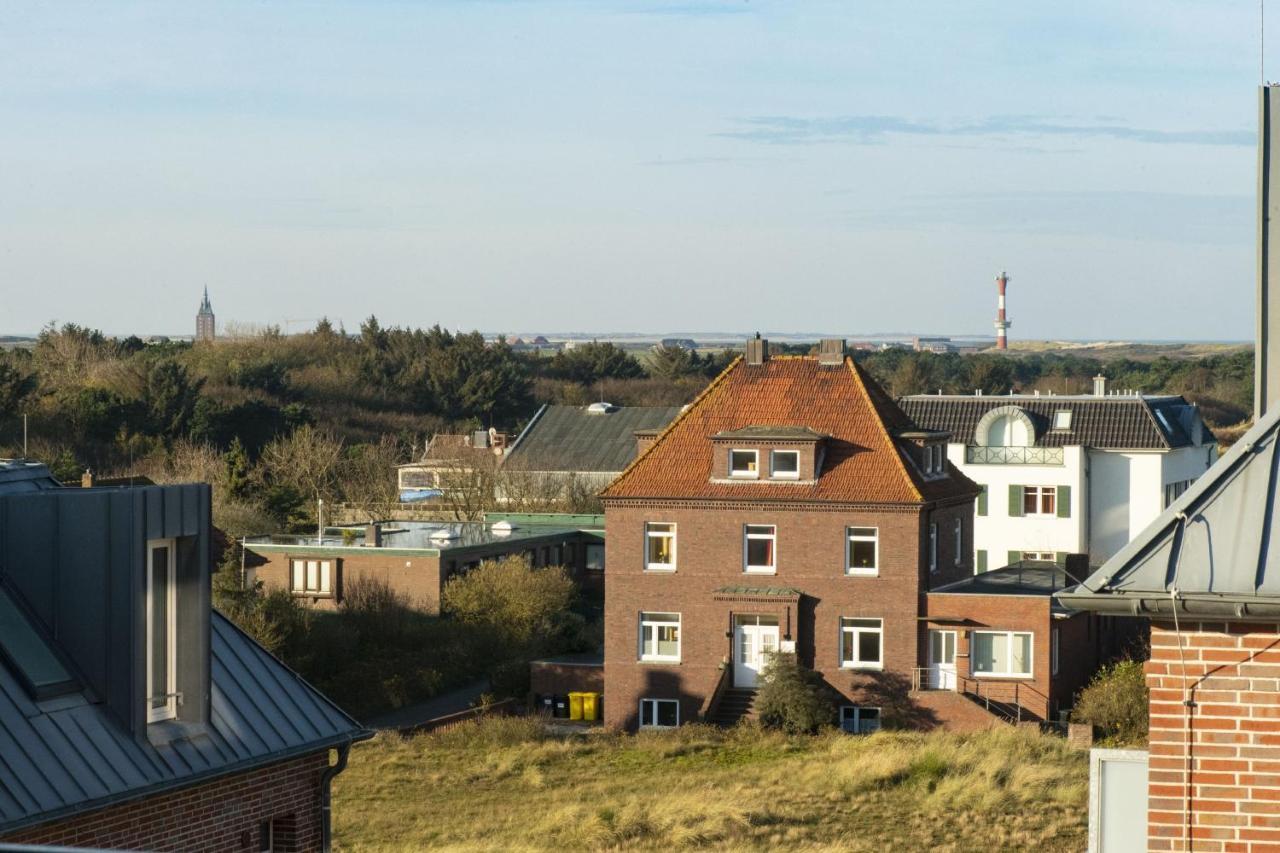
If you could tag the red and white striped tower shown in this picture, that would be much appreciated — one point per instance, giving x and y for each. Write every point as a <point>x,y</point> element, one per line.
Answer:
<point>1002,322</point>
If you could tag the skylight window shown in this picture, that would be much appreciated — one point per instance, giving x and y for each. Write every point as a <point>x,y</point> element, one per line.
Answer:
<point>1062,419</point>
<point>29,654</point>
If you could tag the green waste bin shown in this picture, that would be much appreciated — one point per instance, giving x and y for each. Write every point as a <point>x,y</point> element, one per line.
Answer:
<point>589,706</point>
<point>575,706</point>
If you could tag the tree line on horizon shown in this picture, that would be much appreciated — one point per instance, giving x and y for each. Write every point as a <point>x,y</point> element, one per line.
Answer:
<point>276,421</point>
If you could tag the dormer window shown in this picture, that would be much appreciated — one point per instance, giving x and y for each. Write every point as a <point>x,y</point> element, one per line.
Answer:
<point>744,463</point>
<point>934,458</point>
<point>784,464</point>
<point>162,630</point>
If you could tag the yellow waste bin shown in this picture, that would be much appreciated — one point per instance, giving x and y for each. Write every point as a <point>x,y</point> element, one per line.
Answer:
<point>589,706</point>
<point>575,706</point>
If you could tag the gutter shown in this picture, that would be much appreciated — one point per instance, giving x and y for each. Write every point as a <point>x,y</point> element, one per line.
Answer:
<point>171,785</point>
<point>326,801</point>
<point>1155,605</point>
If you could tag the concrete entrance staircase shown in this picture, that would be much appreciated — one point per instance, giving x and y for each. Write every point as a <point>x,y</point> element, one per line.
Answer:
<point>735,704</point>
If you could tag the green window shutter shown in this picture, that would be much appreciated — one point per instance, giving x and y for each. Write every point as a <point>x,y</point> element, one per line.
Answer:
<point>1064,501</point>
<point>982,562</point>
<point>1015,500</point>
<point>1060,557</point>
<point>1014,556</point>
<point>982,501</point>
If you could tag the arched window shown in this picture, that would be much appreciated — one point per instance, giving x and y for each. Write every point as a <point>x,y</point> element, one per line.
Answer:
<point>1007,426</point>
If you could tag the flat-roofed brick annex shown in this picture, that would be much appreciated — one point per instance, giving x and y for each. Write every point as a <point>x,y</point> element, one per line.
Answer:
<point>862,463</point>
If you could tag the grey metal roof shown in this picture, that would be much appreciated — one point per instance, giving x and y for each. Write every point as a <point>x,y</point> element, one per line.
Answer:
<point>1133,422</point>
<point>1027,577</point>
<point>570,438</point>
<point>67,755</point>
<point>18,475</point>
<point>1214,546</point>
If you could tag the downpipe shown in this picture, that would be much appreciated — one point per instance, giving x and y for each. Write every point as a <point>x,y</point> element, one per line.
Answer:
<point>326,803</point>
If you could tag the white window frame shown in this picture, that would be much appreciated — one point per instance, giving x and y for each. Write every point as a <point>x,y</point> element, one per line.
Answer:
<point>1040,492</point>
<point>1008,639</point>
<point>655,703</point>
<point>784,475</point>
<point>849,538</point>
<point>660,534</point>
<point>856,631</point>
<point>1062,419</point>
<point>170,708</point>
<point>959,537</point>
<point>747,536</point>
<point>300,577</point>
<point>746,475</point>
<point>933,546</point>
<point>857,719</point>
<point>649,620</point>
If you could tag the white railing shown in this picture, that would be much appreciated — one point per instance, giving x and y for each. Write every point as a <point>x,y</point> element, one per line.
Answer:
<point>975,455</point>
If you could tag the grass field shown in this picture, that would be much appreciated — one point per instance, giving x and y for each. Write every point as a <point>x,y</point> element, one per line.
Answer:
<point>505,785</point>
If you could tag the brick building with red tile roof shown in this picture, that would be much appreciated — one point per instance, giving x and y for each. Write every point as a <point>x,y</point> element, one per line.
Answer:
<point>791,506</point>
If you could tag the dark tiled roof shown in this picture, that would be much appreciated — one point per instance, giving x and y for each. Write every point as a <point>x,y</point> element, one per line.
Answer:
<point>1215,547</point>
<point>862,463</point>
<point>570,438</point>
<point>1128,423</point>
<point>760,591</point>
<point>67,755</point>
<point>17,475</point>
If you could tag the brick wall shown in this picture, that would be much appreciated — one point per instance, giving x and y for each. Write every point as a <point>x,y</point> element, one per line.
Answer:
<point>1220,758</point>
<point>810,558</point>
<point>226,814</point>
<point>417,577</point>
<point>554,677</point>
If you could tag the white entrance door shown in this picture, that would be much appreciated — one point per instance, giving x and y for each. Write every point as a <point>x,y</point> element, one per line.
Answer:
<point>752,642</point>
<point>942,660</point>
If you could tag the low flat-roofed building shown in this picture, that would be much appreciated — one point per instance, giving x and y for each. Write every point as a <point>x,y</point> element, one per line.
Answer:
<point>416,558</point>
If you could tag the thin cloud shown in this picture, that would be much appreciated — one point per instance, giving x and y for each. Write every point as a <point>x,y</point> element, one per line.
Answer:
<point>710,8</point>
<point>877,129</point>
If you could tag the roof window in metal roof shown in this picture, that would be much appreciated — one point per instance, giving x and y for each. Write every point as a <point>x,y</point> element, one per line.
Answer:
<point>30,657</point>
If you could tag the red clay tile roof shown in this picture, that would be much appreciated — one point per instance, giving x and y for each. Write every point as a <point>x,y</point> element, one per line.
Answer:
<point>863,464</point>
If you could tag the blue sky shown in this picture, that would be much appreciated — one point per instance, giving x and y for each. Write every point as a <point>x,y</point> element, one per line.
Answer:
<point>845,167</point>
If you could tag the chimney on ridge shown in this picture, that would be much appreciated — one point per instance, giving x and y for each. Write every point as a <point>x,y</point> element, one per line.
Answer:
<point>1099,386</point>
<point>757,350</point>
<point>831,351</point>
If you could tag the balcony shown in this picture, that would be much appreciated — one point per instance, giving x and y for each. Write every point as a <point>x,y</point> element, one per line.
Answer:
<point>1014,455</point>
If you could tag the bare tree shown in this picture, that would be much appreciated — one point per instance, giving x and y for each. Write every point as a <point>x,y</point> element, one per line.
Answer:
<point>306,459</point>
<point>368,478</point>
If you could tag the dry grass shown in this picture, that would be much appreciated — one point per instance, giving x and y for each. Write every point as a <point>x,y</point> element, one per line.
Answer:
<point>503,785</point>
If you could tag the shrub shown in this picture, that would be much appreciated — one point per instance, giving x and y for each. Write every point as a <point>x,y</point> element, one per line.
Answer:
<point>792,697</point>
<point>521,607</point>
<point>1115,702</point>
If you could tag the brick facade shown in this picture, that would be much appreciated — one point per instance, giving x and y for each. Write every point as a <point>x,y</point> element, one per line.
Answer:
<point>418,575</point>
<point>228,814</point>
<point>810,557</point>
<point>1215,767</point>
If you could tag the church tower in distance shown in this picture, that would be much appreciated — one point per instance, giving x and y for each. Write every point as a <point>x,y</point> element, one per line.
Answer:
<point>204,319</point>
